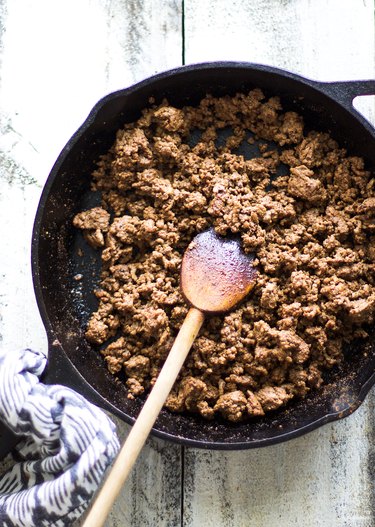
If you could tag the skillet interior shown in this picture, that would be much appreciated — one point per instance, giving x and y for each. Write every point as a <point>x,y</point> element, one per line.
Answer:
<point>65,304</point>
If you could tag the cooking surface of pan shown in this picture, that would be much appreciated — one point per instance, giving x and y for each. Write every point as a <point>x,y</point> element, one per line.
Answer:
<point>66,269</point>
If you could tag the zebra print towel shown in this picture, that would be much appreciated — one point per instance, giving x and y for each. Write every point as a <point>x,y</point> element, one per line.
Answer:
<point>69,443</point>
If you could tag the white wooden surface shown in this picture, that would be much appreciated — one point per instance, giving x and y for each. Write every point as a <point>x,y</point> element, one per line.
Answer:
<point>57,57</point>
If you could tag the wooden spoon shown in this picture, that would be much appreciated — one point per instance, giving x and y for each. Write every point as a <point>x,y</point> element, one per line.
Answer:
<point>215,276</point>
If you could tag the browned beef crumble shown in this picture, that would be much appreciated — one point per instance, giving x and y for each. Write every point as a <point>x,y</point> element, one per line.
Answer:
<point>312,232</point>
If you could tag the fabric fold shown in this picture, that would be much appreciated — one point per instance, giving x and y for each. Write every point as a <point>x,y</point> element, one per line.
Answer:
<point>67,445</point>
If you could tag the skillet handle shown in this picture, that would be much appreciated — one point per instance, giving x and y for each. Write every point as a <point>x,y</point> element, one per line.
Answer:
<point>345,91</point>
<point>8,440</point>
<point>57,367</point>
<point>59,370</point>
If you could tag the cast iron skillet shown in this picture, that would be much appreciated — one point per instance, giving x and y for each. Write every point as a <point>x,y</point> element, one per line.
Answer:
<point>65,304</point>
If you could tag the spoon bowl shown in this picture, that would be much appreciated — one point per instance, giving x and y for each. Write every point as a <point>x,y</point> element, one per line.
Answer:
<point>215,273</point>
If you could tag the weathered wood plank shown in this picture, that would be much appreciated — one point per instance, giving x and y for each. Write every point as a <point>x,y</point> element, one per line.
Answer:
<point>324,478</point>
<point>319,479</point>
<point>152,495</point>
<point>56,60</point>
<point>322,39</point>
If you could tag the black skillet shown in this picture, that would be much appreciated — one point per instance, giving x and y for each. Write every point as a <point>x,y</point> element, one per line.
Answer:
<point>59,252</point>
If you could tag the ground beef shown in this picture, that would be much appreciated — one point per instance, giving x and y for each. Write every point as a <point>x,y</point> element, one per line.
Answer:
<point>95,223</point>
<point>302,205</point>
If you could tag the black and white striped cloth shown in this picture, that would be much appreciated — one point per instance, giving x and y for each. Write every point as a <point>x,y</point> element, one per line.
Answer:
<point>69,444</point>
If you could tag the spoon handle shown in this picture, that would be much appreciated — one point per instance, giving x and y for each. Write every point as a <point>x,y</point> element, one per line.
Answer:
<point>147,417</point>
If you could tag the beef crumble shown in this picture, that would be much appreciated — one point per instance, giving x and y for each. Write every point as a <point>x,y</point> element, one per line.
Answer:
<point>312,232</point>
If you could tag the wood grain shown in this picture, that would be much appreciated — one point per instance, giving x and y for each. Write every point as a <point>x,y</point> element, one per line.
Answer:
<point>322,39</point>
<point>152,495</point>
<point>56,60</point>
<point>322,479</point>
